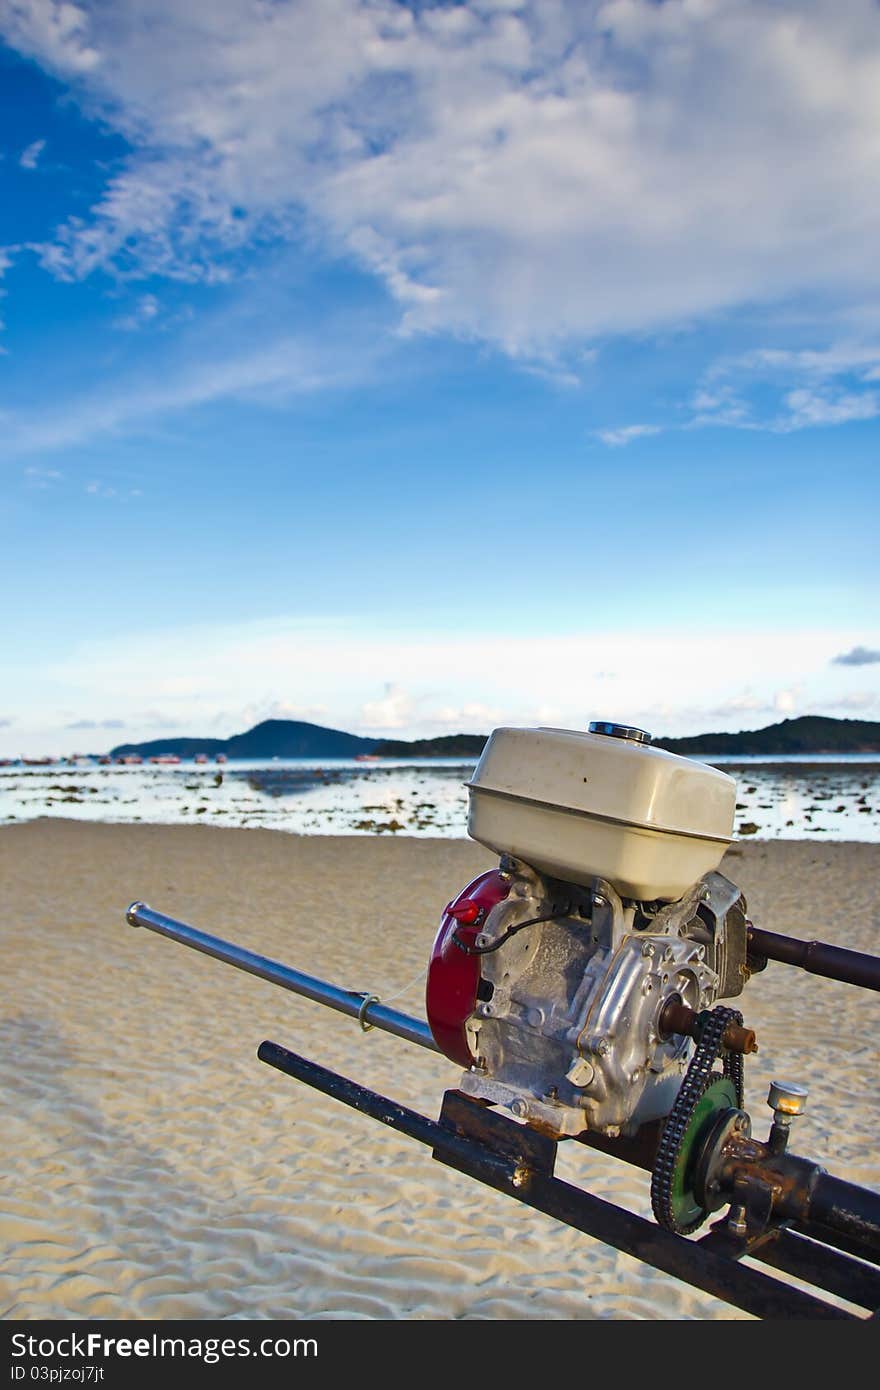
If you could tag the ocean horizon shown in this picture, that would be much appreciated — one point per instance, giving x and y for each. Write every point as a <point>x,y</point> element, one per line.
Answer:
<point>783,796</point>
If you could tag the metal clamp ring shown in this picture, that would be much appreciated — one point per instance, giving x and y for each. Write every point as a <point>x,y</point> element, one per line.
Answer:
<point>367,1001</point>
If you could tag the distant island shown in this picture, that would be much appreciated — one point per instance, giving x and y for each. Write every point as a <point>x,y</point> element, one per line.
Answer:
<point>292,738</point>
<point>812,733</point>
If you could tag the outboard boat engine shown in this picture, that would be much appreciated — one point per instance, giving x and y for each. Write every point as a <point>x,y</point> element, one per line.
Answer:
<point>577,986</point>
<point>561,980</point>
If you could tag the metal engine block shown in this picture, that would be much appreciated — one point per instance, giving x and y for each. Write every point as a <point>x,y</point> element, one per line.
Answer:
<point>567,1031</point>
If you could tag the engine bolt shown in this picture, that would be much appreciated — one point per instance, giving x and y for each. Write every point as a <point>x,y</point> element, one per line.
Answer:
<point>603,1047</point>
<point>648,949</point>
<point>519,1177</point>
<point>519,1107</point>
<point>736,1221</point>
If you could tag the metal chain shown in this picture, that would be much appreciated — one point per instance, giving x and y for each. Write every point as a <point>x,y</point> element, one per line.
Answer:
<point>697,1077</point>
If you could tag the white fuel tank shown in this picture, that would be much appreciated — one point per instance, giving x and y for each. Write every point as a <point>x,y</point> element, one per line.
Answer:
<point>602,804</point>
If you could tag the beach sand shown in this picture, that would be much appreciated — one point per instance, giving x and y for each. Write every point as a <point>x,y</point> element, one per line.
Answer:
<point>155,1169</point>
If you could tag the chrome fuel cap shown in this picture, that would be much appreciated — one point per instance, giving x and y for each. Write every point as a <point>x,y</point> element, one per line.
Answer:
<point>601,726</point>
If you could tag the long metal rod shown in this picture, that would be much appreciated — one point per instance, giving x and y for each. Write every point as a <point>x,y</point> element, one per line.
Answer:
<point>705,1269</point>
<point>355,1003</point>
<point>818,957</point>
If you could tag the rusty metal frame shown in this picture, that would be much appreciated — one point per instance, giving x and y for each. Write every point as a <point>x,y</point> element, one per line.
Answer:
<point>495,1150</point>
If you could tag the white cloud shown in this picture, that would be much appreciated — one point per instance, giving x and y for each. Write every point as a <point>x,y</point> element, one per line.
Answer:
<point>806,408</point>
<point>395,710</point>
<point>144,312</point>
<point>256,711</point>
<point>376,680</point>
<point>857,700</point>
<point>51,31</point>
<point>523,173</point>
<point>859,358</point>
<point>29,157</point>
<point>745,703</point>
<point>626,434</point>
<point>805,388</point>
<point>97,724</point>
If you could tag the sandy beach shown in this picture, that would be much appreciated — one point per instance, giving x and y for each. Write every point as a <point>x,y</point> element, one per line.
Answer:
<point>156,1169</point>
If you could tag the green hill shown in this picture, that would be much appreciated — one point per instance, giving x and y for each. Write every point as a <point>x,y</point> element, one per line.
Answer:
<point>812,733</point>
<point>291,738</point>
<point>274,738</point>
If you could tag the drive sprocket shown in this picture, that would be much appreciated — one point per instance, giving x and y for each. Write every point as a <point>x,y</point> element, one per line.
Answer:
<point>702,1095</point>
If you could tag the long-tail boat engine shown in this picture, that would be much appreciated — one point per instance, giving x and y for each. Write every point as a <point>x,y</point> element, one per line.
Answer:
<point>576,982</point>
<point>577,986</point>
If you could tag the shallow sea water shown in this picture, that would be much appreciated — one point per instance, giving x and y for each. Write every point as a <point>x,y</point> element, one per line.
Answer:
<point>825,799</point>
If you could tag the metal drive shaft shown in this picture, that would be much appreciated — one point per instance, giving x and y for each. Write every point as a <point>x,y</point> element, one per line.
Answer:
<point>820,958</point>
<point>355,1003</point>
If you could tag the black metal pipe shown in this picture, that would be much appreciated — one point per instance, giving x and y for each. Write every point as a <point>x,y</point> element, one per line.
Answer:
<point>504,1169</point>
<point>818,957</point>
<point>848,1210</point>
<point>820,1265</point>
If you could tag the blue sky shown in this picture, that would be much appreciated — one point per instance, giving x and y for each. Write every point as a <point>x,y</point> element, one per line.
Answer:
<point>415,368</point>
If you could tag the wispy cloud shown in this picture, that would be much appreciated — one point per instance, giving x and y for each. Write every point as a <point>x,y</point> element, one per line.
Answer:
<point>805,408</point>
<point>526,173</point>
<point>30,156</point>
<point>616,438</point>
<point>145,312</point>
<point>273,374</point>
<point>39,477</point>
<point>857,656</point>
<point>96,724</point>
<point>783,390</point>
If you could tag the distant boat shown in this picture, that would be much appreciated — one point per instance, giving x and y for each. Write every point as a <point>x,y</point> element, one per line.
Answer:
<point>130,758</point>
<point>367,757</point>
<point>106,759</point>
<point>165,758</point>
<point>39,762</point>
<point>220,758</point>
<point>200,758</point>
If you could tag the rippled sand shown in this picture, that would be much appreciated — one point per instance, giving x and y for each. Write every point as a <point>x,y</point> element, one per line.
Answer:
<point>156,1169</point>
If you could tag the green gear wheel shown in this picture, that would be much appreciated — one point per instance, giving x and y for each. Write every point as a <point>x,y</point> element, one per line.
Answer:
<point>702,1095</point>
<point>687,1212</point>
